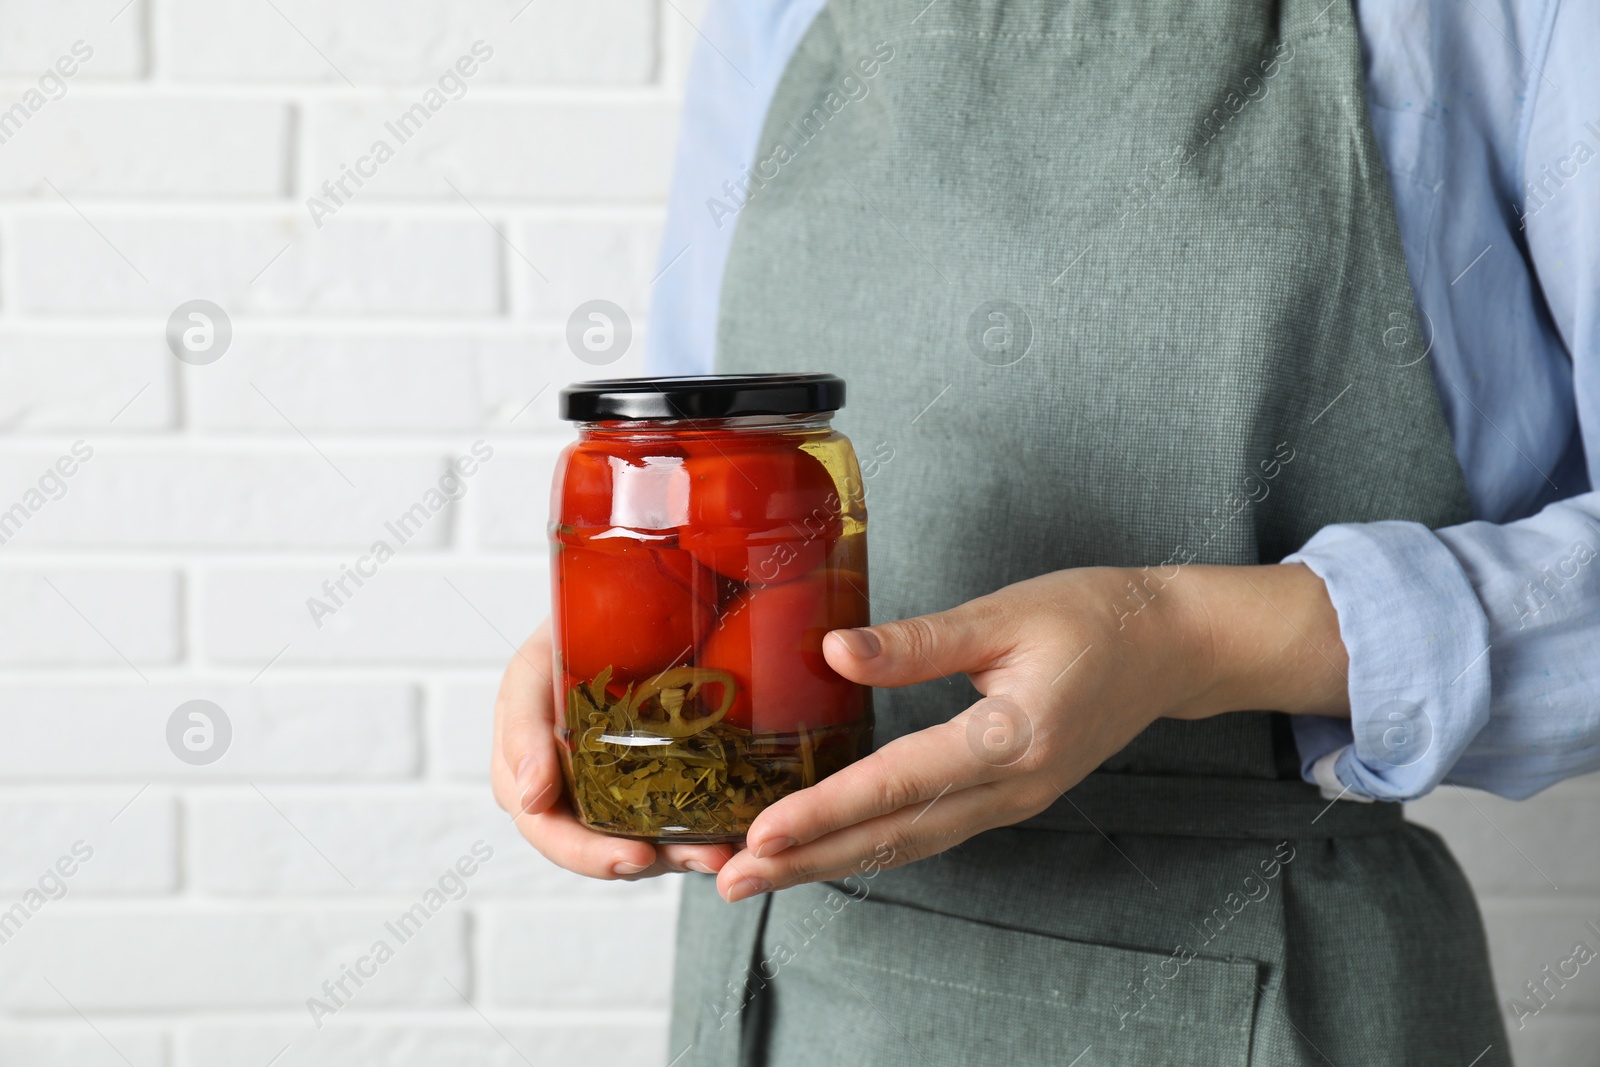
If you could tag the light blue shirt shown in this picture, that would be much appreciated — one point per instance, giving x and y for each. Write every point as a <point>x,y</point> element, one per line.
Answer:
<point>1474,649</point>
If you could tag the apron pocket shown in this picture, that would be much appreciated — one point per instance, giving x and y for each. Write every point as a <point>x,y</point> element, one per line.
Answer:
<point>864,981</point>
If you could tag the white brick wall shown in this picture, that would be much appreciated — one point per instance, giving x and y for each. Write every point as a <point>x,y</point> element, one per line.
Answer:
<point>367,352</point>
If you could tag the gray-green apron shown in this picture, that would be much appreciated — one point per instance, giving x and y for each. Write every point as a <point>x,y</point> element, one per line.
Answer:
<point>1112,282</point>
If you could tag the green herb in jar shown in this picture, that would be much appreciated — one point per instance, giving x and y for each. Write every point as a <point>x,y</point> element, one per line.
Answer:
<point>661,762</point>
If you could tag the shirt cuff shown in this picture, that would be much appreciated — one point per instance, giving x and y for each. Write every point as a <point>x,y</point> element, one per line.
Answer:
<point>1418,643</point>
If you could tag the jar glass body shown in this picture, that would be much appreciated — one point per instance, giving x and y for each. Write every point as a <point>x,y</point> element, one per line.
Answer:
<point>696,566</point>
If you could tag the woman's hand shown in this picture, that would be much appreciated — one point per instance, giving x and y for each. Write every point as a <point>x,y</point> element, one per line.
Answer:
<point>1072,665</point>
<point>526,776</point>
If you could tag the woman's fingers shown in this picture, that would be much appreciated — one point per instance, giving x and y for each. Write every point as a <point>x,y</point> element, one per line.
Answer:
<point>568,843</point>
<point>523,767</point>
<point>908,834</point>
<point>706,859</point>
<point>916,768</point>
<point>972,637</point>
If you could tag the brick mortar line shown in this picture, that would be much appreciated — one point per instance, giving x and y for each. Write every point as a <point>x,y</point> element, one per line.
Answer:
<point>153,24</point>
<point>244,210</point>
<point>116,88</point>
<point>211,905</point>
<point>203,560</point>
<point>428,716</point>
<point>401,1008</point>
<point>312,327</point>
<point>426,1016</point>
<point>282,677</point>
<point>214,786</point>
<point>522,444</point>
<point>9,274</point>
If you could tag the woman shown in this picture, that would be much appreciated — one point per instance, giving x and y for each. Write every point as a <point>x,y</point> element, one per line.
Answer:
<point>1127,294</point>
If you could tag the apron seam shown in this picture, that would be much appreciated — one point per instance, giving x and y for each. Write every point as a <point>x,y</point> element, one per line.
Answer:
<point>990,35</point>
<point>969,987</point>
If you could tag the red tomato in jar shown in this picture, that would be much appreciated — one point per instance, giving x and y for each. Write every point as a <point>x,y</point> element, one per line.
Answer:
<point>625,605</point>
<point>592,476</point>
<point>582,487</point>
<point>759,511</point>
<point>770,639</point>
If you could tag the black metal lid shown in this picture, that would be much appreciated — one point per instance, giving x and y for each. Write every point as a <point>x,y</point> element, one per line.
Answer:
<point>703,396</point>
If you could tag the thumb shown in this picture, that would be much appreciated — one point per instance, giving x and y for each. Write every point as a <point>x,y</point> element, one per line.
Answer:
<point>528,775</point>
<point>964,639</point>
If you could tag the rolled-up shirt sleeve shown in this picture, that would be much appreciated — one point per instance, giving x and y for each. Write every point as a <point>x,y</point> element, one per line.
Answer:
<point>1417,638</point>
<point>1474,654</point>
<point>1539,583</point>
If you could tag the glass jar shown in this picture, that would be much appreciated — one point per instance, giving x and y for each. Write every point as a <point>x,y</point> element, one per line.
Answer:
<point>706,533</point>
